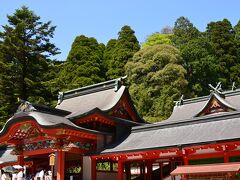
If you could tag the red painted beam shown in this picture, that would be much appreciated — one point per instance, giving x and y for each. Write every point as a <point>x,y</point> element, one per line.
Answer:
<point>95,118</point>
<point>38,151</point>
<point>75,150</point>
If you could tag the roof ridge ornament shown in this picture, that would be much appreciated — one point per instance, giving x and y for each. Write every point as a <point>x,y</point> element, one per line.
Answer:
<point>180,101</point>
<point>119,82</point>
<point>25,106</point>
<point>234,87</point>
<point>217,89</point>
<point>60,97</point>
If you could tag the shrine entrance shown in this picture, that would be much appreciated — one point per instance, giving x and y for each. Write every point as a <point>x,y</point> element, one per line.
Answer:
<point>32,142</point>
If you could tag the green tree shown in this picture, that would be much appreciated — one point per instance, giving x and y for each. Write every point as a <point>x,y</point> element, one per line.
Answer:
<point>53,82</point>
<point>25,47</point>
<point>83,65</point>
<point>183,32</point>
<point>124,49</point>
<point>157,38</point>
<point>108,54</point>
<point>235,75</point>
<point>201,66</point>
<point>156,78</point>
<point>224,48</point>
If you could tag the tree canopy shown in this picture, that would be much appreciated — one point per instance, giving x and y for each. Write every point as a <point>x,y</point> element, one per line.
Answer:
<point>157,38</point>
<point>183,32</point>
<point>83,65</point>
<point>156,79</point>
<point>25,48</point>
<point>172,62</point>
<point>121,51</point>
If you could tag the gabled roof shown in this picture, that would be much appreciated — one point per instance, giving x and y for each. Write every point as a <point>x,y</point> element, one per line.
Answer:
<point>103,100</point>
<point>103,96</point>
<point>189,108</point>
<point>215,102</point>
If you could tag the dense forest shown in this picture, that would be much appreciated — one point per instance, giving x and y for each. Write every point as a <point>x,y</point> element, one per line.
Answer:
<point>175,61</point>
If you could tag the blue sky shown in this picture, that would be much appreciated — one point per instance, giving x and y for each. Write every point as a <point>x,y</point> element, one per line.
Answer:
<point>103,19</point>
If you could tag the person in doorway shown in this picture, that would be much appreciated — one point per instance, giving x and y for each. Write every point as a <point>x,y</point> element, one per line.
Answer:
<point>42,174</point>
<point>20,174</point>
<point>5,176</point>
<point>14,176</point>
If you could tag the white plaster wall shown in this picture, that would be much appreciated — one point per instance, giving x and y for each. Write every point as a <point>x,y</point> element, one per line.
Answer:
<point>101,175</point>
<point>87,168</point>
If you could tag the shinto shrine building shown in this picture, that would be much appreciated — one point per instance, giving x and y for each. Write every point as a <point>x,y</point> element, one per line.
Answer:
<point>98,126</point>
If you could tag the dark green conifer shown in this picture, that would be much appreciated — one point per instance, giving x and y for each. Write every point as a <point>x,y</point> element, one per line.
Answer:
<point>25,47</point>
<point>124,49</point>
<point>83,65</point>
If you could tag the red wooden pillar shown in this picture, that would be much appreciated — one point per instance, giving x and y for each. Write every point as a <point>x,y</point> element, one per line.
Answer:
<point>161,170</point>
<point>60,165</point>
<point>120,170</point>
<point>226,157</point>
<point>94,169</point>
<point>20,160</point>
<point>149,170</point>
<point>185,160</point>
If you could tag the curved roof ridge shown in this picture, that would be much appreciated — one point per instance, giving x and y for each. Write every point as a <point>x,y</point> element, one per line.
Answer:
<point>111,84</point>
<point>103,100</point>
<point>44,120</point>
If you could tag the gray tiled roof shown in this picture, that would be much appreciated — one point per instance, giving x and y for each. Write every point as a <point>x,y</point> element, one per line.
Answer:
<point>103,100</point>
<point>201,130</point>
<point>192,107</point>
<point>102,96</point>
<point>44,120</point>
<point>184,128</point>
<point>98,97</point>
<point>6,156</point>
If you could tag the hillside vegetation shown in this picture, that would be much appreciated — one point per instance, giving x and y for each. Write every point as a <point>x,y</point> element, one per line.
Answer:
<point>172,62</point>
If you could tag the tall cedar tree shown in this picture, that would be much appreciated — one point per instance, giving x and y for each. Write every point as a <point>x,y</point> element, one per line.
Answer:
<point>200,64</point>
<point>224,48</point>
<point>124,49</point>
<point>83,65</point>
<point>25,46</point>
<point>156,79</point>
<point>107,55</point>
<point>183,32</point>
<point>188,39</point>
<point>236,74</point>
